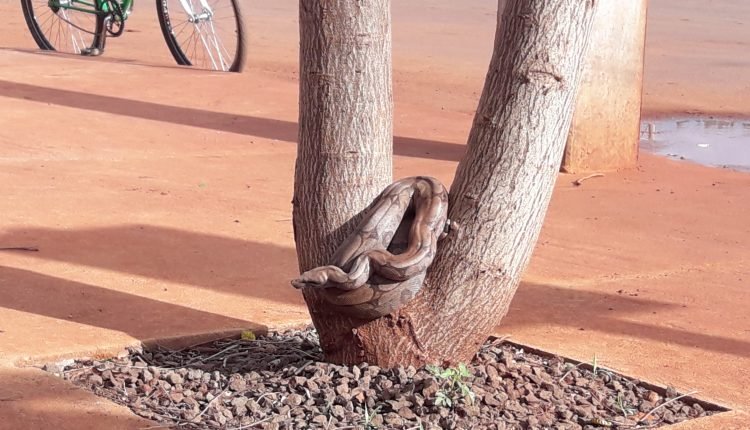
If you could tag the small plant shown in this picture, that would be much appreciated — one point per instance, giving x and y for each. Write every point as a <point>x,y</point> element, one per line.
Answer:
<point>598,370</point>
<point>367,418</point>
<point>626,409</point>
<point>452,384</point>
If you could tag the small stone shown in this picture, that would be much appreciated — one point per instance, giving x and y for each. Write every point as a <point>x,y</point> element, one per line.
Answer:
<point>411,371</point>
<point>565,414</point>
<point>493,377</point>
<point>491,400</point>
<point>294,400</point>
<point>107,375</point>
<point>338,411</point>
<point>645,406</point>
<point>669,417</point>
<point>176,396</point>
<point>146,376</point>
<point>470,410</point>
<point>174,378</point>
<point>95,380</point>
<point>532,422</point>
<point>239,401</point>
<point>671,392</point>
<point>406,413</point>
<point>514,406</point>
<point>253,406</point>
<point>237,384</point>
<point>320,419</point>
<point>652,396</point>
<point>155,371</point>
<point>385,383</point>
<point>393,419</point>
<point>342,389</point>
<point>584,411</point>
<point>239,410</point>
<point>430,388</point>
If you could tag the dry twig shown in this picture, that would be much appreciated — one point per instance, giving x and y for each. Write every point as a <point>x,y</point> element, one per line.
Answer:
<point>578,182</point>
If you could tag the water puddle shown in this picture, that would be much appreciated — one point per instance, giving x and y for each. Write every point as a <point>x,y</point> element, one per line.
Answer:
<point>709,141</point>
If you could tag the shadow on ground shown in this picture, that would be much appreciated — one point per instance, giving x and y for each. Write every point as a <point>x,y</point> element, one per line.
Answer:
<point>548,305</point>
<point>267,128</point>
<point>263,270</point>
<point>208,261</point>
<point>76,302</point>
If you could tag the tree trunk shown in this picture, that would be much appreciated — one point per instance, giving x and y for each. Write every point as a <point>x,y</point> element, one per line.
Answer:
<point>499,196</point>
<point>344,156</point>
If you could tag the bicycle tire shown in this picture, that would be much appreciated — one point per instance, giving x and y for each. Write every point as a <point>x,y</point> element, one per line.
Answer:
<point>32,8</point>
<point>172,32</point>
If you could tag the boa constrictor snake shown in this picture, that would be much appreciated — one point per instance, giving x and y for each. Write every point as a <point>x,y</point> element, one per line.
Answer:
<point>383,262</point>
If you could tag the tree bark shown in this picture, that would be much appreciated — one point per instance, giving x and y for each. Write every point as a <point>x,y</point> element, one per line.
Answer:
<point>344,156</point>
<point>499,196</point>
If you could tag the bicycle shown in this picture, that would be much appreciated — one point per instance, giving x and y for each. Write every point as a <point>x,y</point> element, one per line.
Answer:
<point>197,32</point>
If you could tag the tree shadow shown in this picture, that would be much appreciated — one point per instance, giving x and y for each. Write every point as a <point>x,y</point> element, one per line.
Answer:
<point>263,270</point>
<point>550,305</point>
<point>207,261</point>
<point>233,123</point>
<point>139,317</point>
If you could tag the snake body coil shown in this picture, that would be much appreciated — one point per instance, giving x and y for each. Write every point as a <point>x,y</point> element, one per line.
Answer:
<point>382,264</point>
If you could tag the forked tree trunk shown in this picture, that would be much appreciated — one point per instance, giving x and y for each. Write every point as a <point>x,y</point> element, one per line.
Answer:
<point>499,196</point>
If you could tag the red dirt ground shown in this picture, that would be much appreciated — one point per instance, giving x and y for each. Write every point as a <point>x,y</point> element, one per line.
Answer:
<point>159,199</point>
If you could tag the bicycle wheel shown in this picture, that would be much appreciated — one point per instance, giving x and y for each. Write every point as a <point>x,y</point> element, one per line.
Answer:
<point>204,33</point>
<point>56,27</point>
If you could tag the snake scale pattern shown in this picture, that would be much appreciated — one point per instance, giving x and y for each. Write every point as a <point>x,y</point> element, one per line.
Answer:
<point>382,264</point>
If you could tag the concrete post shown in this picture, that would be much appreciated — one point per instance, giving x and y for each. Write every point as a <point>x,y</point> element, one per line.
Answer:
<point>605,129</point>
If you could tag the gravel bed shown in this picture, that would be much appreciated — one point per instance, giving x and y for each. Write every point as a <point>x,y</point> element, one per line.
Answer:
<point>278,382</point>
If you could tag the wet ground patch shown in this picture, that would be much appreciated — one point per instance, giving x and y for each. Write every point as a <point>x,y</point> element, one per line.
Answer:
<point>278,382</point>
<point>718,142</point>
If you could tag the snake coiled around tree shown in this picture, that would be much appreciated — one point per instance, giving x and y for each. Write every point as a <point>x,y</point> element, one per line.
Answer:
<point>382,263</point>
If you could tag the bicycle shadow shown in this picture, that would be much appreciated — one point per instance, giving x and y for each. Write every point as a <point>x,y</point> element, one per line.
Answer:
<point>101,59</point>
<point>268,128</point>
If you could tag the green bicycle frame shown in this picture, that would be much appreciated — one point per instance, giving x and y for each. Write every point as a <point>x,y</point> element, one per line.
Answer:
<point>95,7</point>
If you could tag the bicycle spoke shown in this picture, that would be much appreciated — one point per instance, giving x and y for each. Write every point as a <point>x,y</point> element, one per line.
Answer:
<point>61,28</point>
<point>213,40</point>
